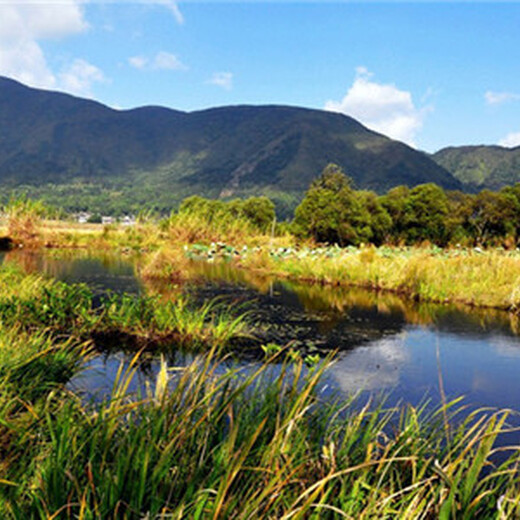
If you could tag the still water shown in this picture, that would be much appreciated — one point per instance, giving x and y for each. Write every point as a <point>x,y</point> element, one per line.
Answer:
<point>386,345</point>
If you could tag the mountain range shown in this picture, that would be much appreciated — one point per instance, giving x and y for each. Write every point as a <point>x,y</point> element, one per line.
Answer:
<point>156,156</point>
<point>74,149</point>
<point>479,167</point>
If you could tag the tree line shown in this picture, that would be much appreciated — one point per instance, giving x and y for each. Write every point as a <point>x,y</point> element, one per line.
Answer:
<point>333,211</point>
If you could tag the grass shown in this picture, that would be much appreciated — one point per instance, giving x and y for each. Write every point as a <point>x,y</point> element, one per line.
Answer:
<point>485,279</point>
<point>207,444</point>
<point>34,303</point>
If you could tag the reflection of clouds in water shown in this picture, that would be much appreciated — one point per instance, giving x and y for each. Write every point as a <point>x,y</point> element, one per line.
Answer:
<point>482,382</point>
<point>371,367</point>
<point>506,346</point>
<point>485,380</point>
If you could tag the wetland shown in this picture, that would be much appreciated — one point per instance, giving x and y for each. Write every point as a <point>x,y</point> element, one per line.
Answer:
<point>224,391</point>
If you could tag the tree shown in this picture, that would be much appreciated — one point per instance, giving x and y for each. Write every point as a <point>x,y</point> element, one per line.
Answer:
<point>495,216</point>
<point>395,204</point>
<point>259,211</point>
<point>425,214</point>
<point>332,211</point>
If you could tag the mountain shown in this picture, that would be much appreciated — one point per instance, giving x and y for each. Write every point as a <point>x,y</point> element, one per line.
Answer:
<point>59,145</point>
<point>480,167</point>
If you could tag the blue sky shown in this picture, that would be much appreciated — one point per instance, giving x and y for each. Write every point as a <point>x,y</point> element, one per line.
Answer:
<point>430,74</point>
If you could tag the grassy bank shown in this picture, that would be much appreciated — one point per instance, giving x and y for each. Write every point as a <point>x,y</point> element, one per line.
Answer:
<point>203,445</point>
<point>35,303</point>
<point>479,278</point>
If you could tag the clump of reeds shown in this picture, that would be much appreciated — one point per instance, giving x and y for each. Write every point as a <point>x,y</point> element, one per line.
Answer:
<point>204,445</point>
<point>23,221</point>
<point>168,263</point>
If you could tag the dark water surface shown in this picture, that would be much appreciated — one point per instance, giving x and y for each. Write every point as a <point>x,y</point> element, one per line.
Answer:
<point>386,344</point>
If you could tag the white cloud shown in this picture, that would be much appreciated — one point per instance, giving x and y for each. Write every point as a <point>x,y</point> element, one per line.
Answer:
<point>510,140</point>
<point>41,19</point>
<point>79,77</point>
<point>173,7</point>
<point>138,62</point>
<point>374,367</point>
<point>222,79</point>
<point>381,107</point>
<point>161,61</point>
<point>167,61</point>
<point>497,98</point>
<point>24,25</point>
<point>25,62</point>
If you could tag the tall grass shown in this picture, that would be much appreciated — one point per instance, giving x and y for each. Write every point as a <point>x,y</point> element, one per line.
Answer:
<point>23,220</point>
<point>203,445</point>
<point>488,279</point>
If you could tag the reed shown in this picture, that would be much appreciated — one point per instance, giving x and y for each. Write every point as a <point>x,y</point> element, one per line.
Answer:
<point>214,443</point>
<point>486,279</point>
<point>23,221</point>
<point>168,263</point>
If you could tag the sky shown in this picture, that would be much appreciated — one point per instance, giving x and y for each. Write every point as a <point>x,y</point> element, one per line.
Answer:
<point>431,74</point>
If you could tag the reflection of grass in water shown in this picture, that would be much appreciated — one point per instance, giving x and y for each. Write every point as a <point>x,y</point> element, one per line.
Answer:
<point>203,445</point>
<point>313,296</point>
<point>57,263</point>
<point>325,297</point>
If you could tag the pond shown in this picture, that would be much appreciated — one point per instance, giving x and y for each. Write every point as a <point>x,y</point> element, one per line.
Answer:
<point>386,345</point>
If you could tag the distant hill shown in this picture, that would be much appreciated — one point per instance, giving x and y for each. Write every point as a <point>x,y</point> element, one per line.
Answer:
<point>58,145</point>
<point>479,167</point>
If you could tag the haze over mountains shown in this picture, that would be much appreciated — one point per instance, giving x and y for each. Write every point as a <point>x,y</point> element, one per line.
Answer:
<point>157,156</point>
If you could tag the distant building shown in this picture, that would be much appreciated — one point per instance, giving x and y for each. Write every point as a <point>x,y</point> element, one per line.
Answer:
<point>83,217</point>
<point>128,220</point>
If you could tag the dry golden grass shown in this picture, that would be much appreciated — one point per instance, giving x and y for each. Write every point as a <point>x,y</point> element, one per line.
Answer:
<point>489,279</point>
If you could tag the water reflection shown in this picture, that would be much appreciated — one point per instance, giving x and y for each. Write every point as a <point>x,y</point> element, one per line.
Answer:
<point>103,272</point>
<point>386,343</point>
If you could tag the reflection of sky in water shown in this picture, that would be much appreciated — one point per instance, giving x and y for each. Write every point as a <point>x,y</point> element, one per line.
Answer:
<point>374,366</point>
<point>403,368</point>
<point>485,370</point>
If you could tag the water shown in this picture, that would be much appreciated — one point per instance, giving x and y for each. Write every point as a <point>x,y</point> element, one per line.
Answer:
<point>386,344</point>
